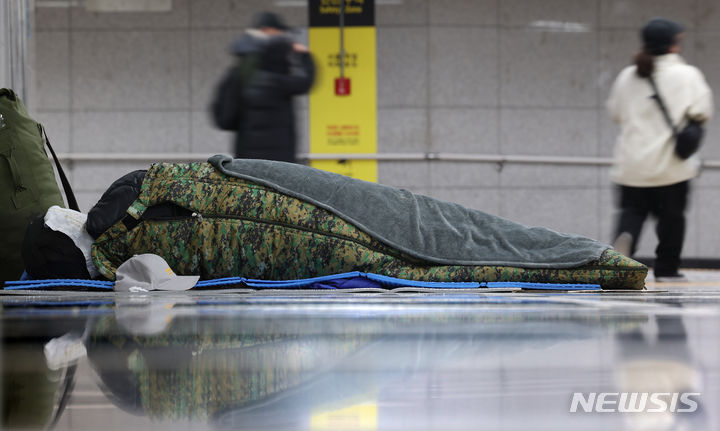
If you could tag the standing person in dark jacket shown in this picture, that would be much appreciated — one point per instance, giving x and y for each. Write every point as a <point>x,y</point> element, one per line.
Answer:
<point>254,98</point>
<point>283,70</point>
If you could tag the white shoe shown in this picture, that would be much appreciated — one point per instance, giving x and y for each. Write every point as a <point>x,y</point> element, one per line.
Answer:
<point>623,243</point>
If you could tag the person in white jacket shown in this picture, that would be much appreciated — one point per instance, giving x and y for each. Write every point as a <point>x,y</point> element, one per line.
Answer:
<point>651,178</point>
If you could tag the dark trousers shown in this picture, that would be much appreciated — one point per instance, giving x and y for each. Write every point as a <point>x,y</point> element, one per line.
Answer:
<point>667,204</point>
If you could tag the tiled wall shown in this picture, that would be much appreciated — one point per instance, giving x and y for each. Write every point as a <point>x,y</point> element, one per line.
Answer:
<point>462,76</point>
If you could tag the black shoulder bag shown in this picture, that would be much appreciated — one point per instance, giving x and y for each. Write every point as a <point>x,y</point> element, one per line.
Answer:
<point>687,140</point>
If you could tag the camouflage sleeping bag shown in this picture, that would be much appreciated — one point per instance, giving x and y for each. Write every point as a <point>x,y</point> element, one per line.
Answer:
<point>279,221</point>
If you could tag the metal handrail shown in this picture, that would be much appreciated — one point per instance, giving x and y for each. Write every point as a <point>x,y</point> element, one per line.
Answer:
<point>460,157</point>
<point>398,157</point>
<point>395,157</point>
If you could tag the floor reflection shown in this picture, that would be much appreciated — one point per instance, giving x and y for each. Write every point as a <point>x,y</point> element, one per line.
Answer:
<point>322,362</point>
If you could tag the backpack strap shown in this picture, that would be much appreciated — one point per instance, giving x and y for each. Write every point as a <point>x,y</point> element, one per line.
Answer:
<point>246,67</point>
<point>69,195</point>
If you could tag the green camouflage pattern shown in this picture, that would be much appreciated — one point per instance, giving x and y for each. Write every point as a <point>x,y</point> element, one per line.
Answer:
<point>221,363</point>
<point>240,228</point>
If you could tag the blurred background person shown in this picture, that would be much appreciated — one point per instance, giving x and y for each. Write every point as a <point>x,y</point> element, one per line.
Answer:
<point>255,96</point>
<point>651,178</point>
<point>268,125</point>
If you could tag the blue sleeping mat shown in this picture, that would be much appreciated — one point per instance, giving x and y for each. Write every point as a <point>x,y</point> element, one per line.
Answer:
<point>347,280</point>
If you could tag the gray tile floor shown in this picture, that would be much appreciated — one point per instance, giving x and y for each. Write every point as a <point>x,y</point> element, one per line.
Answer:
<point>464,360</point>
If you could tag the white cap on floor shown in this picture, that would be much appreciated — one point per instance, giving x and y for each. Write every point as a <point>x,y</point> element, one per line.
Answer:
<point>150,272</point>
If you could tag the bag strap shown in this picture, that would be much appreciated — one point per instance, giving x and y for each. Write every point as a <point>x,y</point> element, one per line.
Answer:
<point>246,66</point>
<point>244,69</point>
<point>661,105</point>
<point>69,195</point>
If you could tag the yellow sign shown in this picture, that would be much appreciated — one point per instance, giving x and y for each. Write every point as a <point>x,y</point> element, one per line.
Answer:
<point>343,102</point>
<point>360,417</point>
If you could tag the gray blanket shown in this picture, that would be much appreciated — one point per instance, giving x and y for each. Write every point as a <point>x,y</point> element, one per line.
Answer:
<point>434,230</point>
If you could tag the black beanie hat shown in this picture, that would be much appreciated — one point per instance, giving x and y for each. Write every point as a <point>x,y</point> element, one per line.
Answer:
<point>269,19</point>
<point>659,35</point>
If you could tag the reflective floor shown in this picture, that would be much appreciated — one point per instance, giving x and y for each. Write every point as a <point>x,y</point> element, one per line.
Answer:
<point>464,360</point>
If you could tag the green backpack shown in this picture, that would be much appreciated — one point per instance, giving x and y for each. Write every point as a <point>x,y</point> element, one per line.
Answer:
<point>27,181</point>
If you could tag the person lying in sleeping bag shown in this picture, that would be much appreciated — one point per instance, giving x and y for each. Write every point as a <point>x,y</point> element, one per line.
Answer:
<point>279,221</point>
